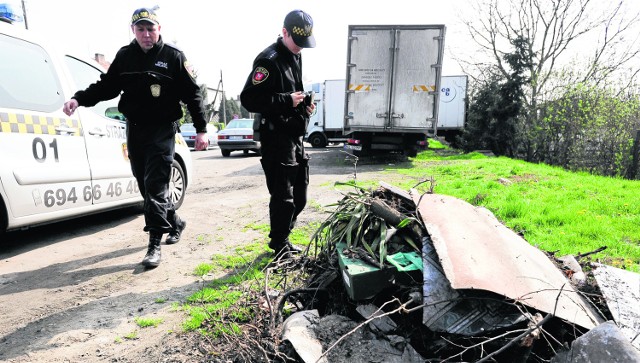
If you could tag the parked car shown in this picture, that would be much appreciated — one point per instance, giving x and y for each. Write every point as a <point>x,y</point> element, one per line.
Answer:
<point>53,166</point>
<point>238,135</point>
<point>188,132</point>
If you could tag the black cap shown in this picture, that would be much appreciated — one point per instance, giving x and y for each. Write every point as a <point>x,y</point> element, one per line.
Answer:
<point>144,14</point>
<point>300,25</point>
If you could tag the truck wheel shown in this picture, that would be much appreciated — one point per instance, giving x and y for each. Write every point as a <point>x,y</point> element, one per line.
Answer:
<point>317,141</point>
<point>177,184</point>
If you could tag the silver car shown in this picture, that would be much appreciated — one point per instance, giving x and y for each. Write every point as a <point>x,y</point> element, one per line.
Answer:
<point>188,132</point>
<point>238,135</point>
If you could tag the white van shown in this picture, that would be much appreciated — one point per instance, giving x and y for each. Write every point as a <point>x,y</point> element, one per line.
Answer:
<point>52,166</point>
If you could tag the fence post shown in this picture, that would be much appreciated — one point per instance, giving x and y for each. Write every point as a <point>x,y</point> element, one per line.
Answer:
<point>633,169</point>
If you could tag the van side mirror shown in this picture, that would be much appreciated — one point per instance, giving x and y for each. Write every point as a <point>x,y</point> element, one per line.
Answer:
<point>112,112</point>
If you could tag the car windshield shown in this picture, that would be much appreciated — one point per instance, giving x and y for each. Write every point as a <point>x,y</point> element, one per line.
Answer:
<point>240,124</point>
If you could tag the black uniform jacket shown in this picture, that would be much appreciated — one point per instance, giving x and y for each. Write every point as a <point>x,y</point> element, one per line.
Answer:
<point>276,74</point>
<point>152,84</point>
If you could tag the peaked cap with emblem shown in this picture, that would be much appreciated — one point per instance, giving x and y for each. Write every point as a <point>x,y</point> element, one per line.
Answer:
<point>144,14</point>
<point>300,25</point>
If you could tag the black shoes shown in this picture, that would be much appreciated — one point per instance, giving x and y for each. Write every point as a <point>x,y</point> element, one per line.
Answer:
<point>280,249</point>
<point>174,236</point>
<point>152,259</point>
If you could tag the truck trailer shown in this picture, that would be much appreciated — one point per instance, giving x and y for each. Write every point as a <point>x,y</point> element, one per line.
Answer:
<point>392,87</point>
<point>452,109</point>
<point>326,124</point>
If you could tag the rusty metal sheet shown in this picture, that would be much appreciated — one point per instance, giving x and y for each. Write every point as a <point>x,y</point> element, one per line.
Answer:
<point>476,251</point>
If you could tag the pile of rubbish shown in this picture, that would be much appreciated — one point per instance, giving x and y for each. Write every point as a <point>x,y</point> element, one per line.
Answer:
<point>431,278</point>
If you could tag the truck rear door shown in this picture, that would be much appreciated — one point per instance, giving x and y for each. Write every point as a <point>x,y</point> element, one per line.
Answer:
<point>393,77</point>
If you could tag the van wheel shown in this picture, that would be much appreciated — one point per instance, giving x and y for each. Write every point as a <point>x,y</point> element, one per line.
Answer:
<point>177,184</point>
<point>317,141</point>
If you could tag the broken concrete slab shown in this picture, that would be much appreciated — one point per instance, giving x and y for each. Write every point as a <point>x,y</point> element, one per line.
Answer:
<point>604,343</point>
<point>573,270</point>
<point>477,252</point>
<point>297,330</point>
<point>621,289</point>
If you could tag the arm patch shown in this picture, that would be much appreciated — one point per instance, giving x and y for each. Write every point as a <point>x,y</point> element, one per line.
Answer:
<point>259,75</point>
<point>190,69</point>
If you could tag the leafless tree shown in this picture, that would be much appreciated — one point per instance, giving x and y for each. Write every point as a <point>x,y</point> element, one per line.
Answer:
<point>574,40</point>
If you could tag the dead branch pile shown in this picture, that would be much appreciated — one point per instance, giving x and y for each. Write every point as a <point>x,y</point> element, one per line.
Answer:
<point>369,226</point>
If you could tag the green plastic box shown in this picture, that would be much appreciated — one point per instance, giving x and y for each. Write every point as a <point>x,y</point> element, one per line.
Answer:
<point>362,280</point>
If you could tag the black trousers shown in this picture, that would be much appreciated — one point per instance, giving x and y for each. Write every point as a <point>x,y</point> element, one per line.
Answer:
<point>286,169</point>
<point>151,149</point>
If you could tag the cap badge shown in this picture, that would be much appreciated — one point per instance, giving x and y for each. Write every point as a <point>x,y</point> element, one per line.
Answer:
<point>305,32</point>
<point>144,15</point>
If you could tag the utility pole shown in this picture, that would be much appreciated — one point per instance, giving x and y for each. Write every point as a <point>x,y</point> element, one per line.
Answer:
<point>224,101</point>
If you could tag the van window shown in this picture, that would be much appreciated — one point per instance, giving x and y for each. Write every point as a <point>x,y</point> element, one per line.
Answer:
<point>29,81</point>
<point>84,75</point>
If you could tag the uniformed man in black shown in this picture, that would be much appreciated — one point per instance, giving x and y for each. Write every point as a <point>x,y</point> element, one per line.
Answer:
<point>153,78</point>
<point>274,91</point>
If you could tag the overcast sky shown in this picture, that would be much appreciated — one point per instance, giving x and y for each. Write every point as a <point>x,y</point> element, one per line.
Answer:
<point>227,35</point>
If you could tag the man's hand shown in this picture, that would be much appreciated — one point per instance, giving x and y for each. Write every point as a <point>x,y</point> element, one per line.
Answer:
<point>297,98</point>
<point>202,142</point>
<point>70,107</point>
<point>311,108</point>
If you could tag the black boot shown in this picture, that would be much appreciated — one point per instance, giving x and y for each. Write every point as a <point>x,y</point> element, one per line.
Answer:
<point>152,259</point>
<point>175,234</point>
<point>282,248</point>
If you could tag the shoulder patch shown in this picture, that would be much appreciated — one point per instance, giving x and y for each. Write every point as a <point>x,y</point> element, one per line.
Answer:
<point>259,75</point>
<point>190,69</point>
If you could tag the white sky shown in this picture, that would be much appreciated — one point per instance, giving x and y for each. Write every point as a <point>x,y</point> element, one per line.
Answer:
<point>227,35</point>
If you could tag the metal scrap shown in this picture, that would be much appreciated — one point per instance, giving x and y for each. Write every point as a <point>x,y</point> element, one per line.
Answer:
<point>477,252</point>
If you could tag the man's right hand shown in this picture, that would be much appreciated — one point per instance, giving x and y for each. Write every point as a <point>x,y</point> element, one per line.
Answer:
<point>297,98</point>
<point>70,107</point>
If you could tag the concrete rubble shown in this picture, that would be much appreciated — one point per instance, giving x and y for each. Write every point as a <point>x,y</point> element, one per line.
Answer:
<point>604,343</point>
<point>479,278</point>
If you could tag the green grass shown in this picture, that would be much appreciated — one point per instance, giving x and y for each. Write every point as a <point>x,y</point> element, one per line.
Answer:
<point>218,305</point>
<point>554,209</point>
<point>132,336</point>
<point>147,322</point>
<point>219,308</point>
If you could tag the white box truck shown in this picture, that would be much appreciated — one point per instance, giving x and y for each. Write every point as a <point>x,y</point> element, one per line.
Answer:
<point>325,125</point>
<point>452,110</point>
<point>393,78</point>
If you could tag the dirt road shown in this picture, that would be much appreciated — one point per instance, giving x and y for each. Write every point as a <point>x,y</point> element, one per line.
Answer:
<point>69,292</point>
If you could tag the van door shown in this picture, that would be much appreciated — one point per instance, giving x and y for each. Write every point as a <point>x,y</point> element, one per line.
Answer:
<point>43,162</point>
<point>106,142</point>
